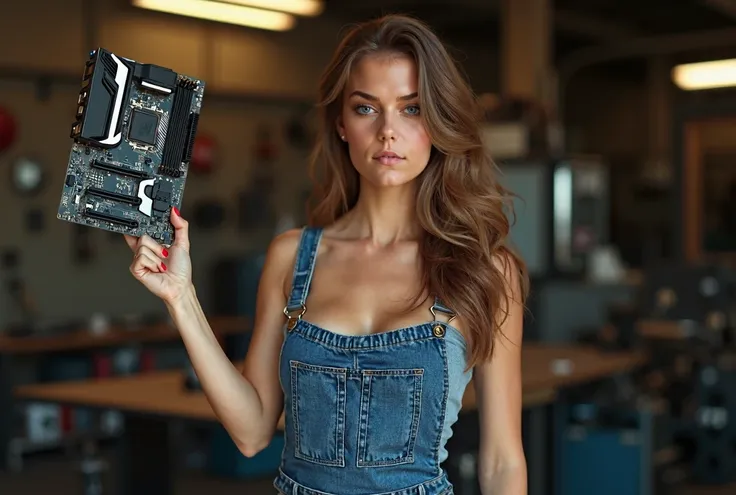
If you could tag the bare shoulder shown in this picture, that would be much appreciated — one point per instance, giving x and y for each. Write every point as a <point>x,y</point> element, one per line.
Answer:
<point>283,247</point>
<point>508,265</point>
<point>281,257</point>
<point>511,310</point>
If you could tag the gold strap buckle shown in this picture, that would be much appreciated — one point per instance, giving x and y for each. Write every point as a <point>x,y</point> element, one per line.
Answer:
<point>293,317</point>
<point>452,315</point>
<point>439,330</point>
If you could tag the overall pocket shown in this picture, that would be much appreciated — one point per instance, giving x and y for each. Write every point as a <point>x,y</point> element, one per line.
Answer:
<point>318,409</point>
<point>390,406</point>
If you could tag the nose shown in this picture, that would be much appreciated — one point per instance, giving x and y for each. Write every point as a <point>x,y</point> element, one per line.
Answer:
<point>386,130</point>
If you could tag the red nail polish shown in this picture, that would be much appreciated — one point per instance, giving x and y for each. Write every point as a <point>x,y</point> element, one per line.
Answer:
<point>176,211</point>
<point>165,252</point>
<point>163,267</point>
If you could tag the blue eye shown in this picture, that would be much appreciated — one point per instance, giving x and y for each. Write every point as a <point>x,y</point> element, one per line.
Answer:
<point>363,109</point>
<point>413,110</point>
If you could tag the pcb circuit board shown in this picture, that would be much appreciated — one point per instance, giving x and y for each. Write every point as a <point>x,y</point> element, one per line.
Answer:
<point>133,138</point>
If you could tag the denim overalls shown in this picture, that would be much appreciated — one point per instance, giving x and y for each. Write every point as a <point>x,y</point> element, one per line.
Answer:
<point>366,415</point>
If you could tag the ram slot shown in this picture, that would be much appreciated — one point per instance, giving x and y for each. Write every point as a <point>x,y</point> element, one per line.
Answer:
<point>177,133</point>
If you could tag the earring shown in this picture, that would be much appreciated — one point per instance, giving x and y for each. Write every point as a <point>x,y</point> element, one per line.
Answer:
<point>342,137</point>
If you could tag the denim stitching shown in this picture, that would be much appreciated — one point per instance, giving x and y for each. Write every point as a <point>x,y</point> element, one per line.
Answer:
<point>317,368</point>
<point>365,398</point>
<point>316,340</point>
<point>418,391</point>
<point>340,419</point>
<point>340,433</point>
<point>416,398</point>
<point>302,276</point>
<point>297,264</point>
<point>417,489</point>
<point>442,343</point>
<point>295,407</point>
<point>314,248</point>
<point>299,271</point>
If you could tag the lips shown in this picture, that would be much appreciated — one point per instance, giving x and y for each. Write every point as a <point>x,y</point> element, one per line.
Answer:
<point>388,158</point>
<point>387,154</point>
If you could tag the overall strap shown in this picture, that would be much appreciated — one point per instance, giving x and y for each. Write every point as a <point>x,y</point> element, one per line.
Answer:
<point>438,307</point>
<point>303,271</point>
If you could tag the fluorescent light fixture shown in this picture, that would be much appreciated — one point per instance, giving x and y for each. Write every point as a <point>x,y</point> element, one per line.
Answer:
<point>705,75</point>
<point>307,8</point>
<point>222,12</point>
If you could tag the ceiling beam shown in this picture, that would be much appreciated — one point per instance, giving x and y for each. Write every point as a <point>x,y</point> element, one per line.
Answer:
<point>592,27</point>
<point>725,7</point>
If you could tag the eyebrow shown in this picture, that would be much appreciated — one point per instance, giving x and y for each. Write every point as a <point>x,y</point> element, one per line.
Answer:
<point>370,97</point>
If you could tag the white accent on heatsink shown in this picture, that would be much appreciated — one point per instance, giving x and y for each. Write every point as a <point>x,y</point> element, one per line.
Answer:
<point>156,87</point>
<point>121,77</point>
<point>146,206</point>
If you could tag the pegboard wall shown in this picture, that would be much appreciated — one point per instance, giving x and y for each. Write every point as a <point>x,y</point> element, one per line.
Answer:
<point>64,288</point>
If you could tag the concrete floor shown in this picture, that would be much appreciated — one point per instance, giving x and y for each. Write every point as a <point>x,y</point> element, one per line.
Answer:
<point>55,473</point>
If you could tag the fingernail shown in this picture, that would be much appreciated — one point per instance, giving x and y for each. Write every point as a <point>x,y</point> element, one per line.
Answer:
<point>165,253</point>
<point>163,267</point>
<point>176,211</point>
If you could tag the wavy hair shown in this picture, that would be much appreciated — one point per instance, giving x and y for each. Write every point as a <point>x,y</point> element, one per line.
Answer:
<point>462,207</point>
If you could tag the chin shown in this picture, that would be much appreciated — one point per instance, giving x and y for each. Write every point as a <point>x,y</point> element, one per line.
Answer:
<point>387,177</point>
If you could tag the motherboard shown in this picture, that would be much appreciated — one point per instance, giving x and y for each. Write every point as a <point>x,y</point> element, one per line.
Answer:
<point>133,139</point>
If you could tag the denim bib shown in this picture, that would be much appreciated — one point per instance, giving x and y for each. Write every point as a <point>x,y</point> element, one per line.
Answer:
<point>371,414</point>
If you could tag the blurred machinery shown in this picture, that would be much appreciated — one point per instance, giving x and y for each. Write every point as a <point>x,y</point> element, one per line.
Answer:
<point>561,200</point>
<point>689,325</point>
<point>672,423</point>
<point>561,211</point>
<point>560,223</point>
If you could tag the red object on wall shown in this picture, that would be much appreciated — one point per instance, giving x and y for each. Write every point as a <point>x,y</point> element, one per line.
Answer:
<point>67,419</point>
<point>148,361</point>
<point>8,129</point>
<point>266,150</point>
<point>204,154</point>
<point>102,365</point>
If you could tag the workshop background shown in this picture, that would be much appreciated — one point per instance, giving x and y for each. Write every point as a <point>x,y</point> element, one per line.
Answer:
<point>603,118</point>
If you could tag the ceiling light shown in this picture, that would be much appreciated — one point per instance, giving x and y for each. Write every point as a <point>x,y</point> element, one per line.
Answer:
<point>222,12</point>
<point>307,8</point>
<point>705,75</point>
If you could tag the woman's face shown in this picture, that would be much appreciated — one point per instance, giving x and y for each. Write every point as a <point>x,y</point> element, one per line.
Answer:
<point>381,121</point>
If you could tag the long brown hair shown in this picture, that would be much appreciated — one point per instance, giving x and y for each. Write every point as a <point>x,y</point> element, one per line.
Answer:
<point>460,204</point>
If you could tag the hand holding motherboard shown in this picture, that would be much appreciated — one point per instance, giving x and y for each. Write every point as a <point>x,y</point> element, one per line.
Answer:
<point>166,272</point>
<point>133,137</point>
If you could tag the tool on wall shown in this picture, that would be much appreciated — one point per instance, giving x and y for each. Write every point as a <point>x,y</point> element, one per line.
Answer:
<point>35,220</point>
<point>82,248</point>
<point>22,310</point>
<point>255,203</point>
<point>204,154</point>
<point>27,176</point>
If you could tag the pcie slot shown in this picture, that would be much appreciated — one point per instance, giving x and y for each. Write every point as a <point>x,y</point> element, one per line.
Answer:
<point>123,198</point>
<point>118,169</point>
<point>111,218</point>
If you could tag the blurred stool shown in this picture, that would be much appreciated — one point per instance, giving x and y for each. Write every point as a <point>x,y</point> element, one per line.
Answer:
<point>93,470</point>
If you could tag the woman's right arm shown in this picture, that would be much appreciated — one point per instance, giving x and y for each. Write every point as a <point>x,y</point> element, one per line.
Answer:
<point>248,404</point>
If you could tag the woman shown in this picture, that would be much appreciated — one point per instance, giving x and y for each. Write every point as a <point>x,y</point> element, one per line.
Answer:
<point>370,322</point>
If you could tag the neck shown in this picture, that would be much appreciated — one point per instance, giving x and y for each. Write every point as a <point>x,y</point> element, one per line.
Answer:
<point>385,215</point>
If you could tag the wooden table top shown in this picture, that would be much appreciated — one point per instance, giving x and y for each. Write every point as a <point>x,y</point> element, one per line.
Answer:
<point>163,392</point>
<point>83,339</point>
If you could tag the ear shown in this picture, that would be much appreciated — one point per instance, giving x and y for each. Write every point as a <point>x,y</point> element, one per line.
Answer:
<point>339,126</point>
